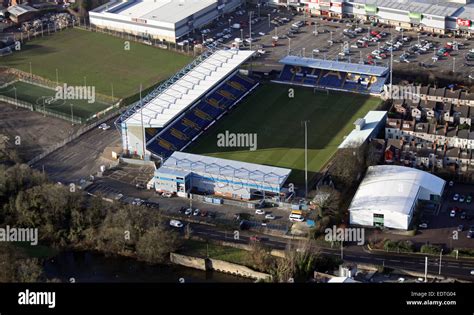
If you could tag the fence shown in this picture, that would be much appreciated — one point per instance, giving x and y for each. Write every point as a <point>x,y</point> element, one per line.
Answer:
<point>17,103</point>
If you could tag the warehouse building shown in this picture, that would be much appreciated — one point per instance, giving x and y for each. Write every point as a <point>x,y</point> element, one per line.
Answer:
<point>388,195</point>
<point>159,19</point>
<point>183,173</point>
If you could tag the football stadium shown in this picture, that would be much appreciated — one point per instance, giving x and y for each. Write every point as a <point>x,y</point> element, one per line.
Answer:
<point>178,123</point>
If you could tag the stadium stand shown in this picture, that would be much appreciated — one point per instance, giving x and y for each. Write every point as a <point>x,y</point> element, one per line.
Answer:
<point>180,109</point>
<point>335,75</point>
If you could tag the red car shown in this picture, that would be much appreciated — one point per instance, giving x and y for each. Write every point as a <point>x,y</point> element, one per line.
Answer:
<point>374,33</point>
<point>255,238</point>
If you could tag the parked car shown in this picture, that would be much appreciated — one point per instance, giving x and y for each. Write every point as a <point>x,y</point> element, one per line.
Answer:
<point>469,199</point>
<point>259,211</point>
<point>255,238</point>
<point>456,197</point>
<point>176,223</point>
<point>104,126</point>
<point>203,213</point>
<point>167,195</point>
<point>452,214</point>
<point>460,228</point>
<point>423,225</point>
<point>451,183</point>
<point>463,216</point>
<point>188,211</point>
<point>470,233</point>
<point>270,216</point>
<point>196,212</point>
<point>462,198</point>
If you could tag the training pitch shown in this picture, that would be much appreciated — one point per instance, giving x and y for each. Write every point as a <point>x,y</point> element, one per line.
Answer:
<point>98,60</point>
<point>44,98</point>
<point>278,119</point>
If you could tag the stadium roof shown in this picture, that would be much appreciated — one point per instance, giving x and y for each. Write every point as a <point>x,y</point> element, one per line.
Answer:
<point>170,11</point>
<point>20,9</point>
<point>243,171</point>
<point>392,188</point>
<point>356,137</point>
<point>192,86</point>
<point>430,7</point>
<point>334,65</point>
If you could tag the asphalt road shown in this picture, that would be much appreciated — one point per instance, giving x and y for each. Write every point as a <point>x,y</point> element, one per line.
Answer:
<point>450,267</point>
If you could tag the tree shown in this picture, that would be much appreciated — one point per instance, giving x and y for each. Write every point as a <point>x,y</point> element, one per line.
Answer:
<point>261,257</point>
<point>298,265</point>
<point>156,244</point>
<point>347,166</point>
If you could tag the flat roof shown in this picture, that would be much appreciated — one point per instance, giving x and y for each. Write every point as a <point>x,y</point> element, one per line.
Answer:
<point>170,102</point>
<point>20,9</point>
<point>235,170</point>
<point>393,188</point>
<point>171,11</point>
<point>334,65</point>
<point>356,137</point>
<point>431,7</point>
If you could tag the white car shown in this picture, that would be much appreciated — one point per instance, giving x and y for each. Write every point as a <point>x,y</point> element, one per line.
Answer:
<point>261,51</point>
<point>261,33</point>
<point>456,197</point>
<point>452,214</point>
<point>270,216</point>
<point>137,202</point>
<point>176,223</point>
<point>104,126</point>
<point>196,212</point>
<point>423,225</point>
<point>259,211</point>
<point>451,183</point>
<point>167,195</point>
<point>188,211</point>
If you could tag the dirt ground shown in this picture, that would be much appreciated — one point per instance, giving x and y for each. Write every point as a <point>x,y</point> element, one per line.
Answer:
<point>30,132</point>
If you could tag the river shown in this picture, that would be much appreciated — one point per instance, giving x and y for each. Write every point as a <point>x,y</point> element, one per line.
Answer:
<point>96,267</point>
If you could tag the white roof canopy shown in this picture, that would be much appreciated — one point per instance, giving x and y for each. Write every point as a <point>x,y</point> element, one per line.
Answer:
<point>392,188</point>
<point>191,87</point>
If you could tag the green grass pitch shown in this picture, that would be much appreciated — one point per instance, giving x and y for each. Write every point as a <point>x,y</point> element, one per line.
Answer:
<point>101,58</point>
<point>277,121</point>
<point>40,96</point>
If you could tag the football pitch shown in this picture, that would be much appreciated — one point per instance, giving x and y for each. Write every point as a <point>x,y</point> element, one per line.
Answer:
<point>97,59</point>
<point>276,119</point>
<point>41,97</point>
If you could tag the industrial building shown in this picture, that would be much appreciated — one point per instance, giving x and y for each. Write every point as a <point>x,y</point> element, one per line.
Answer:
<point>388,195</point>
<point>165,20</point>
<point>183,173</point>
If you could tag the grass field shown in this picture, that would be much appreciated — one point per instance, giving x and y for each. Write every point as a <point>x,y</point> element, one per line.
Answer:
<point>277,121</point>
<point>38,96</point>
<point>100,58</point>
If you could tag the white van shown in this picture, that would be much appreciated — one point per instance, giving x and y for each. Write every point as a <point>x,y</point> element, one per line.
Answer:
<point>296,217</point>
<point>176,223</point>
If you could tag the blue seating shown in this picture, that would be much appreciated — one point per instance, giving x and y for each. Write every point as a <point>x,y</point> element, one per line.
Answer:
<point>190,124</point>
